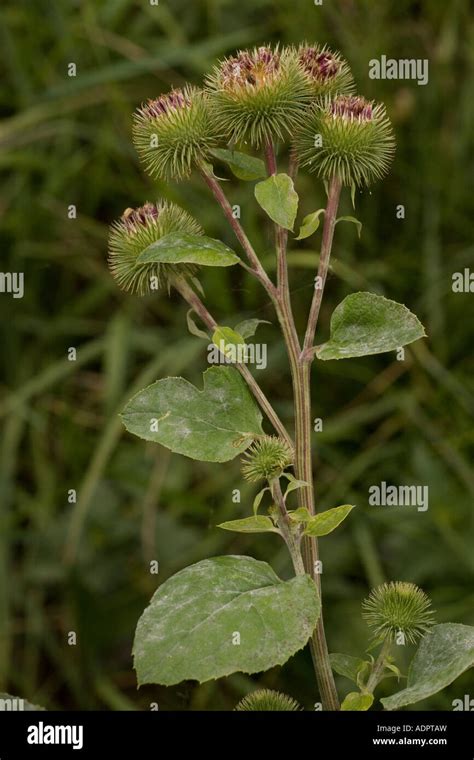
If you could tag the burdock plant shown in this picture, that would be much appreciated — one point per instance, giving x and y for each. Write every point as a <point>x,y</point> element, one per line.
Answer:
<point>233,613</point>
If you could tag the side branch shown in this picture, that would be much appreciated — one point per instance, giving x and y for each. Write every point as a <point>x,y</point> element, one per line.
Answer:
<point>197,305</point>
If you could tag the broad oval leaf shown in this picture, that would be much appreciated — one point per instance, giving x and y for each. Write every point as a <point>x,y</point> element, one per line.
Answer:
<point>188,630</point>
<point>278,197</point>
<point>443,655</point>
<point>212,425</point>
<point>310,224</point>
<point>365,323</point>
<point>325,522</point>
<point>357,701</point>
<point>255,524</point>
<point>244,167</point>
<point>348,666</point>
<point>179,248</point>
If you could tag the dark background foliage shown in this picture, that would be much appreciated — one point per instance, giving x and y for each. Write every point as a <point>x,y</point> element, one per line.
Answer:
<point>84,566</point>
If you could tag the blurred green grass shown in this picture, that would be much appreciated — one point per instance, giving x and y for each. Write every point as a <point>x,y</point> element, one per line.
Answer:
<point>84,567</point>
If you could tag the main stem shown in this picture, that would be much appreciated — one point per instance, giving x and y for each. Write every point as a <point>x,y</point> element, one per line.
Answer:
<point>300,363</point>
<point>301,381</point>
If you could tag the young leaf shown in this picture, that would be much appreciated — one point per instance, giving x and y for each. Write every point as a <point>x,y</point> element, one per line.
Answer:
<point>244,167</point>
<point>357,701</point>
<point>248,327</point>
<point>179,248</point>
<point>348,666</point>
<point>277,196</point>
<point>365,323</point>
<point>212,425</point>
<point>326,522</point>
<point>258,499</point>
<point>193,328</point>
<point>256,524</point>
<point>444,653</point>
<point>293,484</point>
<point>353,220</point>
<point>227,340</point>
<point>310,224</point>
<point>188,631</point>
<point>301,515</point>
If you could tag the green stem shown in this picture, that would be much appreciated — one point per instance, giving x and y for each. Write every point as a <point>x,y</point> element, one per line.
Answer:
<point>330,217</point>
<point>379,667</point>
<point>286,529</point>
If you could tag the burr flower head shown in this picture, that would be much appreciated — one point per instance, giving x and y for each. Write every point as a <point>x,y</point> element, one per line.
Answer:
<point>395,607</point>
<point>259,94</point>
<point>327,71</point>
<point>136,230</point>
<point>267,700</point>
<point>173,132</point>
<point>266,458</point>
<point>347,137</point>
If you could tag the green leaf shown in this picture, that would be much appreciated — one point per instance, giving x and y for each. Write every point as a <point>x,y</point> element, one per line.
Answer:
<point>444,653</point>
<point>357,701</point>
<point>212,425</point>
<point>227,341</point>
<point>256,524</point>
<point>179,248</point>
<point>365,323</point>
<point>353,220</point>
<point>17,704</point>
<point>348,666</point>
<point>310,224</point>
<point>248,327</point>
<point>300,515</point>
<point>326,522</point>
<point>244,167</point>
<point>188,632</point>
<point>258,499</point>
<point>277,196</point>
<point>193,328</point>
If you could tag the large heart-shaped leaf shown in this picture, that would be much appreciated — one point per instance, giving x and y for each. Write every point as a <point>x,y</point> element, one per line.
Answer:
<point>220,616</point>
<point>444,653</point>
<point>180,248</point>
<point>244,167</point>
<point>278,197</point>
<point>365,323</point>
<point>212,425</point>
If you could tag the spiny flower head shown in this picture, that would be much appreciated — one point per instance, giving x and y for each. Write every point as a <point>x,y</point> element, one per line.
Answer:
<point>174,132</point>
<point>347,137</point>
<point>259,94</point>
<point>136,230</point>
<point>327,71</point>
<point>398,606</point>
<point>266,458</point>
<point>267,700</point>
